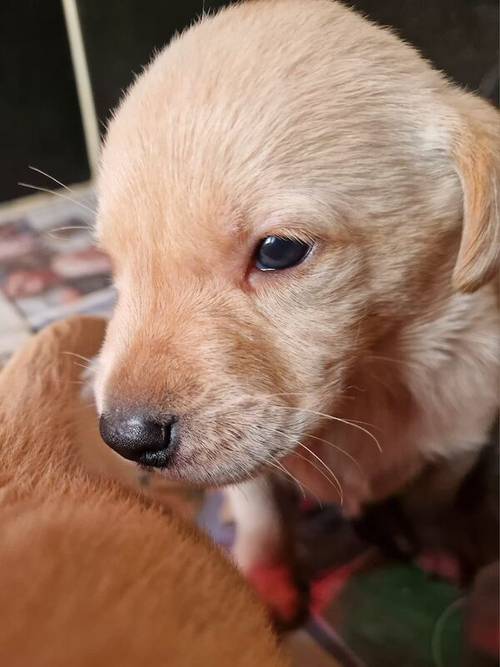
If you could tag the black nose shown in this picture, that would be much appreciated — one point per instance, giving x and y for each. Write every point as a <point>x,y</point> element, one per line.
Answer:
<point>139,438</point>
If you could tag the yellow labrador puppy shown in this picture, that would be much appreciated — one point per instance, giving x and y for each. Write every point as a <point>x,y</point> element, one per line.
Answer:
<point>303,220</point>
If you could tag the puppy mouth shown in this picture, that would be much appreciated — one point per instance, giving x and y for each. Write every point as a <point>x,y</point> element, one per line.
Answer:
<point>200,469</point>
<point>182,449</point>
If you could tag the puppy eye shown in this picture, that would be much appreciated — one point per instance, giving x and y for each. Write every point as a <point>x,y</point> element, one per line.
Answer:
<point>275,253</point>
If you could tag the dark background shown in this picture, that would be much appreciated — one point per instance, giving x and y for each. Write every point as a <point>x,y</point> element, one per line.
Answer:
<point>39,113</point>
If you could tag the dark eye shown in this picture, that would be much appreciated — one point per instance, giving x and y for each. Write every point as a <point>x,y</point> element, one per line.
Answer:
<point>275,253</point>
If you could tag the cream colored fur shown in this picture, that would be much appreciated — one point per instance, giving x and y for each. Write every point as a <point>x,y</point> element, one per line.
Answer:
<point>301,118</point>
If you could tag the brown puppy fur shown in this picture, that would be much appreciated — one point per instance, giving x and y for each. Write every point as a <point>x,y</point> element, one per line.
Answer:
<point>301,119</point>
<point>91,575</point>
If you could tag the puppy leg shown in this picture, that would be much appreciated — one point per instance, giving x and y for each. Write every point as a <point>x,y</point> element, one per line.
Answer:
<point>264,551</point>
<point>259,530</point>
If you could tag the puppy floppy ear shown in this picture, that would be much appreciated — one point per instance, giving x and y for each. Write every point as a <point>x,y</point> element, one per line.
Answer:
<point>477,159</point>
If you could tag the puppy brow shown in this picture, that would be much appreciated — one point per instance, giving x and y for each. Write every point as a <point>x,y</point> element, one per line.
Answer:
<point>303,229</point>
<point>238,225</point>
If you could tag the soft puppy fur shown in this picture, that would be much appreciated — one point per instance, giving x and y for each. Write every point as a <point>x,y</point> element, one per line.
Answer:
<point>92,575</point>
<point>376,355</point>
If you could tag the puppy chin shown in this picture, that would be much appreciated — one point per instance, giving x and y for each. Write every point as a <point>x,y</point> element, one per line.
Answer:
<point>212,476</point>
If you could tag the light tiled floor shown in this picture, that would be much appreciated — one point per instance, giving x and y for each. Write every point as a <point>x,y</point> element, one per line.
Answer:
<point>14,329</point>
<point>49,268</point>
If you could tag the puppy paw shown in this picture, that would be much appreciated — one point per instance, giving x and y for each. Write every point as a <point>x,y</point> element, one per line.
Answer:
<point>286,599</point>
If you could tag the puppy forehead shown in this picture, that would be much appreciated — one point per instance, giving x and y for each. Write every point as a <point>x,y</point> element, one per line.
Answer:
<point>236,115</point>
<point>154,229</point>
<point>210,128</point>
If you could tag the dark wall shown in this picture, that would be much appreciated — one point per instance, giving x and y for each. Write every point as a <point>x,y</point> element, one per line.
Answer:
<point>459,36</point>
<point>39,116</point>
<point>122,35</point>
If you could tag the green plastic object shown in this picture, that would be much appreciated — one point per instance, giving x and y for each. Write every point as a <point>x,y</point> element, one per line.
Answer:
<point>398,616</point>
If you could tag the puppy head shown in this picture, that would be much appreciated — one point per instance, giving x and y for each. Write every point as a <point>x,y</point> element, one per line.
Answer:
<point>273,207</point>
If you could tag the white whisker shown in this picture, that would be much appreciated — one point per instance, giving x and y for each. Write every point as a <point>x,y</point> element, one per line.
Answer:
<point>58,194</point>
<point>320,460</point>
<point>301,485</point>
<point>331,417</point>
<point>78,356</point>
<point>301,393</point>
<point>276,464</point>
<point>75,363</point>
<point>44,173</point>
<point>333,475</point>
<point>336,486</point>
<point>339,449</point>
<point>393,360</point>
<point>52,233</point>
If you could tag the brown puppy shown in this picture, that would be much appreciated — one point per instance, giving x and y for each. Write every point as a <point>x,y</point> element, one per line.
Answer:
<point>303,220</point>
<point>90,575</point>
